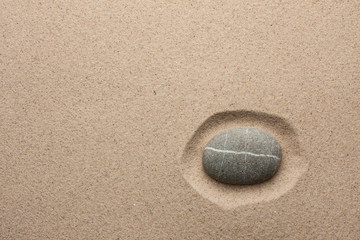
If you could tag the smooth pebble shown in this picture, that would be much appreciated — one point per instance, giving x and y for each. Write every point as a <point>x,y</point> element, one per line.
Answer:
<point>242,156</point>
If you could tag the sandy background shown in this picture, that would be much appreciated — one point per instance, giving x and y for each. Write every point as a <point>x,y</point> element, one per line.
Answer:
<point>105,105</point>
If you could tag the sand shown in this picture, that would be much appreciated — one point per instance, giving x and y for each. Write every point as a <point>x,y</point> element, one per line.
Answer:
<point>105,108</point>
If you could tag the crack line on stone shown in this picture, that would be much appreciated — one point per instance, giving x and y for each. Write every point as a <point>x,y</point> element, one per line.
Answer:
<point>234,152</point>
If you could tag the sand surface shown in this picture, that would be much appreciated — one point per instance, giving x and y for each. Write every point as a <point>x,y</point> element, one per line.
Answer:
<point>105,108</point>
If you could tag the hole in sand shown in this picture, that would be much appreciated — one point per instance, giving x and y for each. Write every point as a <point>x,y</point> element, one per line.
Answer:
<point>232,196</point>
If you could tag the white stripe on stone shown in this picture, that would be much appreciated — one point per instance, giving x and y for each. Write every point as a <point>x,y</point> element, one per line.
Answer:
<point>234,152</point>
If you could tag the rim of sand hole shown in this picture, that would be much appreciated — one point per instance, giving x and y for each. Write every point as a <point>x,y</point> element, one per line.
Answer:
<point>292,166</point>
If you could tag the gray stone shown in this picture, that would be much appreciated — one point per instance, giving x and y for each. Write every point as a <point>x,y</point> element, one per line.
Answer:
<point>242,156</point>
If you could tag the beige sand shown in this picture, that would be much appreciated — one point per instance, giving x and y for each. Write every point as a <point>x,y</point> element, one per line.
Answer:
<point>104,108</point>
